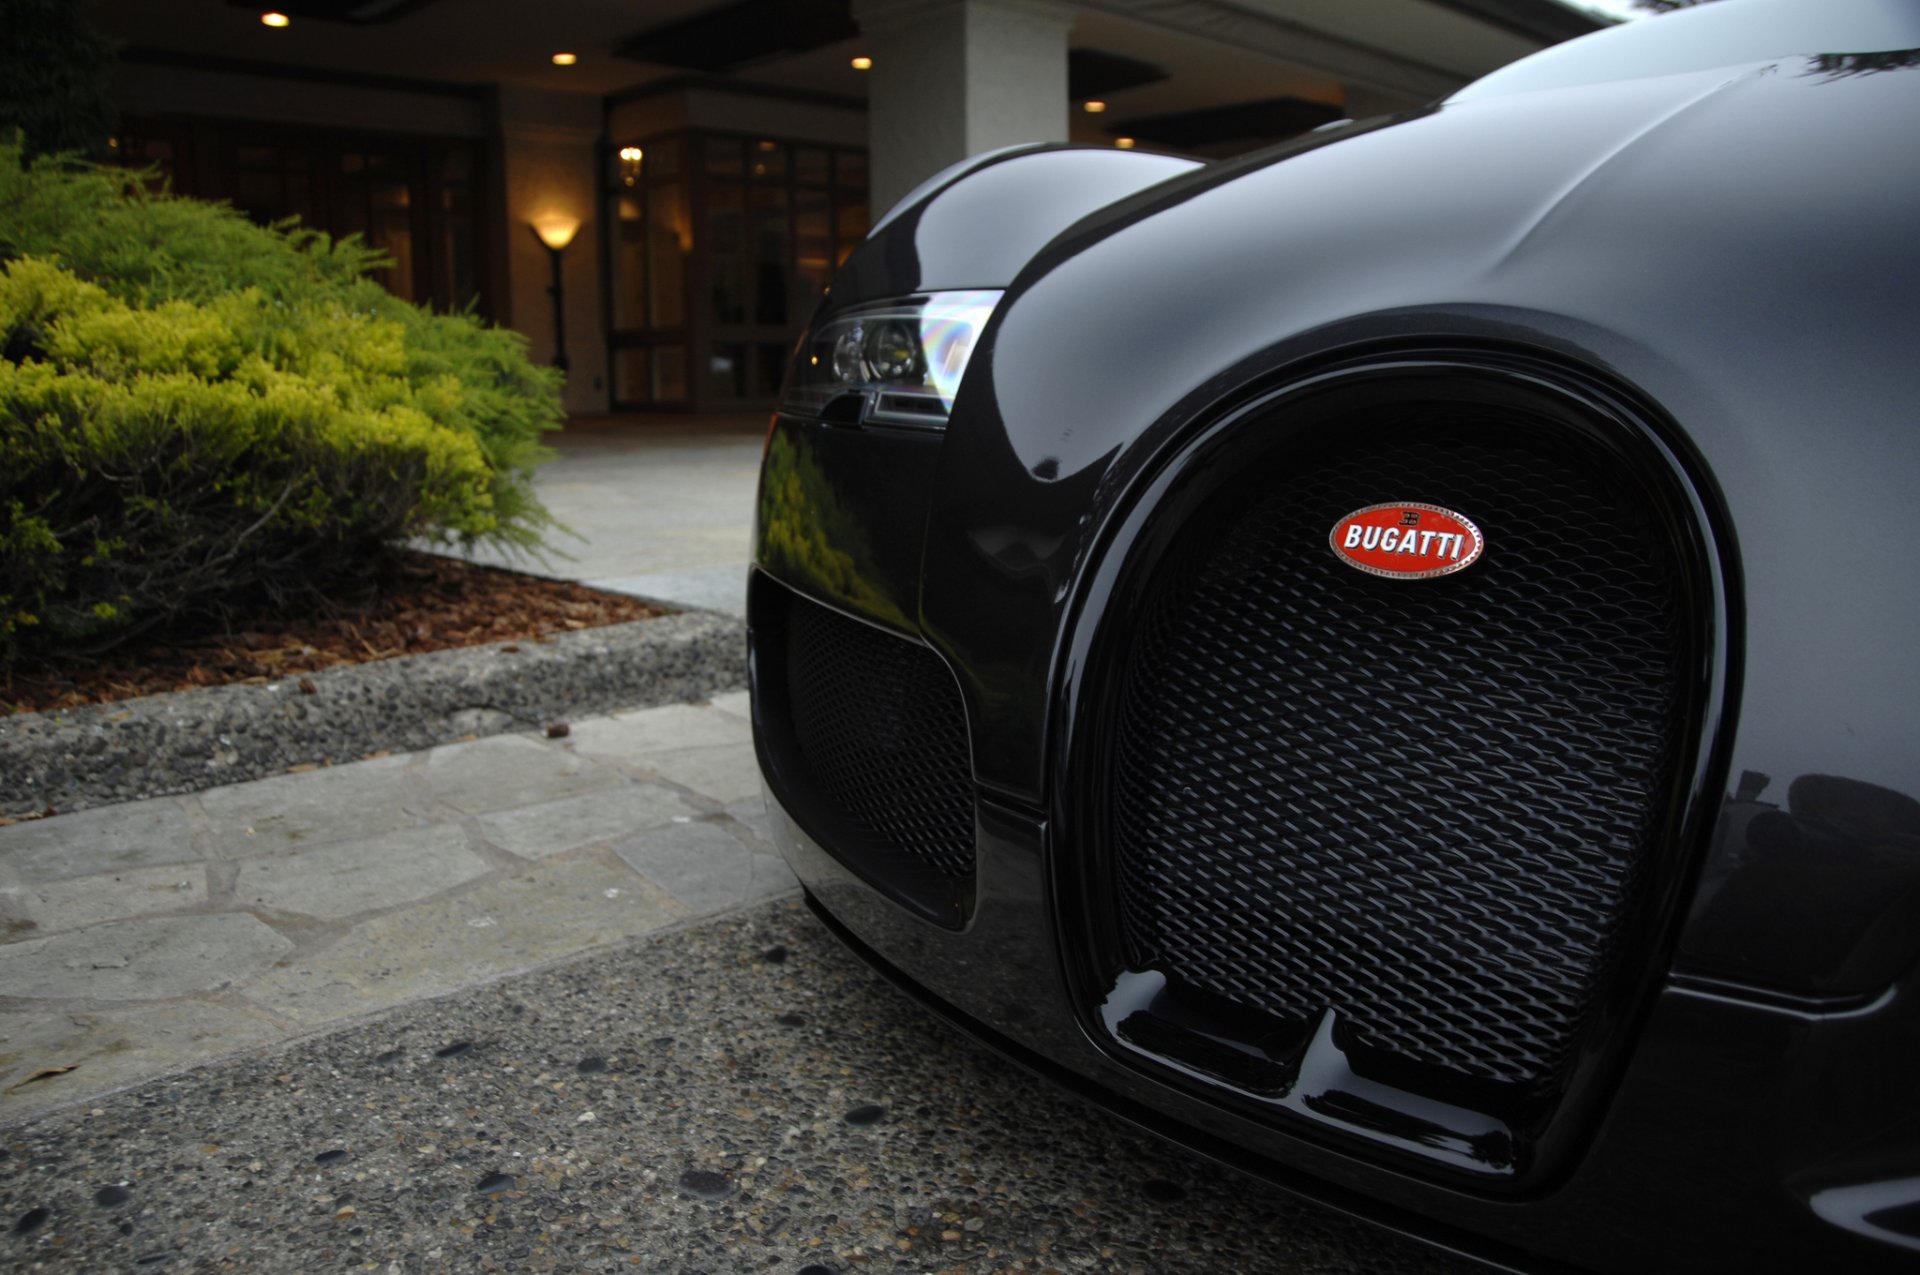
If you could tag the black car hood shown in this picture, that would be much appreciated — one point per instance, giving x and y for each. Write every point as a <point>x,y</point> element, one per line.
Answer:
<point>1470,205</point>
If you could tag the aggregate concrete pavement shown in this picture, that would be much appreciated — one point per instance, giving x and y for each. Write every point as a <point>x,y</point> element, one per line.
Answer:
<point>733,1095</point>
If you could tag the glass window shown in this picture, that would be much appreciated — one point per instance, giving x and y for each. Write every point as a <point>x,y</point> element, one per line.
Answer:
<point>852,226</point>
<point>662,160</point>
<point>723,157</point>
<point>726,253</point>
<point>771,276</point>
<point>670,374</point>
<point>257,195</point>
<point>812,246</point>
<point>391,231</point>
<point>769,369</point>
<point>633,375</point>
<point>731,241</point>
<point>629,264</point>
<point>457,242</point>
<point>768,161</point>
<point>297,197</point>
<point>668,245</point>
<point>810,164</point>
<point>727,372</point>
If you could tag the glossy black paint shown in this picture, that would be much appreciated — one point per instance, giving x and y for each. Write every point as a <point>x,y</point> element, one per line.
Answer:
<point>976,224</point>
<point>1725,255</point>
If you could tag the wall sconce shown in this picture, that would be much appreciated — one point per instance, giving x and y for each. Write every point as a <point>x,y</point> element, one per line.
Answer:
<point>556,231</point>
<point>630,160</point>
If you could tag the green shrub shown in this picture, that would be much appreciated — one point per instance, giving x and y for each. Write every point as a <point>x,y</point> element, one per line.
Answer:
<point>195,410</point>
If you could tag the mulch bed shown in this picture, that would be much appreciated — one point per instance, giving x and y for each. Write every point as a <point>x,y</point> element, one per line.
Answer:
<point>428,603</point>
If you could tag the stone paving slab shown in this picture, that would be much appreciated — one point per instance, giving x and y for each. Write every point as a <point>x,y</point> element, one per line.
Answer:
<point>289,811</point>
<point>555,827</point>
<point>136,935</point>
<point>350,877</point>
<point>66,905</point>
<point>154,958</point>
<point>545,912</point>
<point>96,841</point>
<point>508,771</point>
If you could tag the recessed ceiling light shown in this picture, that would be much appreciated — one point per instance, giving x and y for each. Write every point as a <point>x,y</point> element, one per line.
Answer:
<point>565,59</point>
<point>276,19</point>
<point>1124,143</point>
<point>1093,108</point>
<point>863,64</point>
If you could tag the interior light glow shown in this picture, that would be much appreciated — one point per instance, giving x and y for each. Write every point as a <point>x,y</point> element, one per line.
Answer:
<point>630,157</point>
<point>863,64</point>
<point>556,230</point>
<point>276,19</point>
<point>565,59</point>
<point>1093,108</point>
<point>1124,143</point>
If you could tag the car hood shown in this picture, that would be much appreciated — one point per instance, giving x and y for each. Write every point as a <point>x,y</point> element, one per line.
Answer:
<point>1474,205</point>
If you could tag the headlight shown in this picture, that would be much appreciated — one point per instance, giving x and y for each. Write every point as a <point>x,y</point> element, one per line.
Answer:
<point>898,362</point>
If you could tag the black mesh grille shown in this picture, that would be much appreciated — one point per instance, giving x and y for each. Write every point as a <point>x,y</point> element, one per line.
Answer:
<point>883,734</point>
<point>1422,804</point>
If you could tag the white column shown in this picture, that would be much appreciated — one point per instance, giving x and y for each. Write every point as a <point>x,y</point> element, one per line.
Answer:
<point>952,78</point>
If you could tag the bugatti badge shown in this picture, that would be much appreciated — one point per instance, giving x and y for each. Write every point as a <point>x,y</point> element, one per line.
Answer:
<point>1407,541</point>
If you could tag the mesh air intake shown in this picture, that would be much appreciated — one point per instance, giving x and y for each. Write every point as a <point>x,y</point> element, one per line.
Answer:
<point>882,732</point>
<point>1422,804</point>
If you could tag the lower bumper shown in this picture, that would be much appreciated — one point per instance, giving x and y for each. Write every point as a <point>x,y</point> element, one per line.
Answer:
<point>1717,1146</point>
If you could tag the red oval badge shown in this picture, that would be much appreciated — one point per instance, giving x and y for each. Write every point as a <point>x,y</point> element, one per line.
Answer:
<point>1408,541</point>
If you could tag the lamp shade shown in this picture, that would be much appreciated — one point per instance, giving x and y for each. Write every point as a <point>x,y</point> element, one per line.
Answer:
<point>556,230</point>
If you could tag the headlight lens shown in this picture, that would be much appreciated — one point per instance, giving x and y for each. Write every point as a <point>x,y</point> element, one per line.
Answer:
<point>902,359</point>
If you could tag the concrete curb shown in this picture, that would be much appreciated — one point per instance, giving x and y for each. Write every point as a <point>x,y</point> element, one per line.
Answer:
<point>194,740</point>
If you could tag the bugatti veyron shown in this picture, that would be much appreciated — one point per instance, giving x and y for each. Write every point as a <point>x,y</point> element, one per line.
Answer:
<point>1392,660</point>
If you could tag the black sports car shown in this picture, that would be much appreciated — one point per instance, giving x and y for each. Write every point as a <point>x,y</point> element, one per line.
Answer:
<point>1392,661</point>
